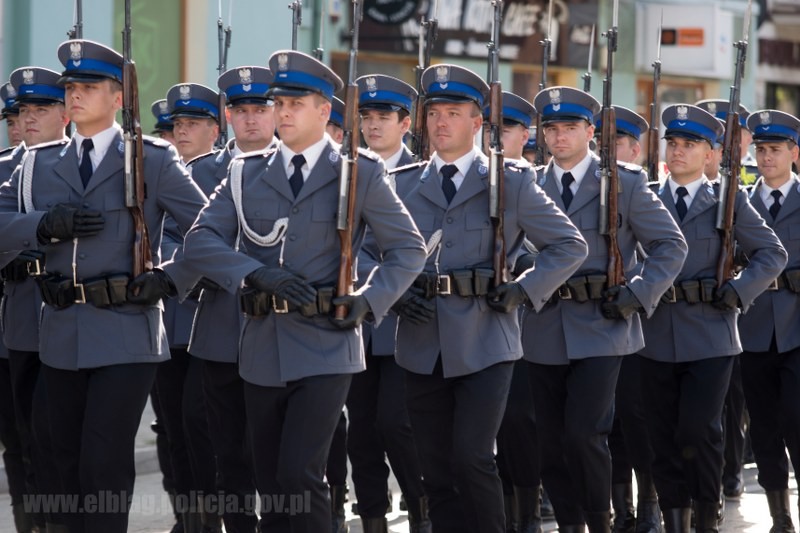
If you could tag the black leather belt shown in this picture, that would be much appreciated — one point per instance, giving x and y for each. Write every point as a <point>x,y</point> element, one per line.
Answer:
<point>465,282</point>
<point>691,291</point>
<point>582,288</point>
<point>257,303</point>
<point>103,291</point>
<point>788,279</point>
<point>21,268</point>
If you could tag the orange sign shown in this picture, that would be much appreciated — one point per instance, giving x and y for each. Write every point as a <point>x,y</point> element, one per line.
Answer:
<point>690,36</point>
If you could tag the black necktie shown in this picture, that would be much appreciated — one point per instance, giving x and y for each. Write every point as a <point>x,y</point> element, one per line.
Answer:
<point>566,192</point>
<point>680,205</point>
<point>776,204</point>
<point>449,188</point>
<point>86,161</point>
<point>296,181</point>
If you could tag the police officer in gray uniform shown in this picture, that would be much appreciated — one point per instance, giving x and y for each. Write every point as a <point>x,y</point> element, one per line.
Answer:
<point>591,327</point>
<point>10,113</point>
<point>164,126</point>
<point>770,336</point>
<point>629,441</point>
<point>379,424</point>
<point>215,333</point>
<point>458,335</point>
<point>692,338</point>
<point>43,119</point>
<point>101,332</point>
<point>279,209</point>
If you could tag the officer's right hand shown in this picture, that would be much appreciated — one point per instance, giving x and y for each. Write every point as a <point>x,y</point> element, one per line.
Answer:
<point>282,283</point>
<point>64,222</point>
<point>414,307</point>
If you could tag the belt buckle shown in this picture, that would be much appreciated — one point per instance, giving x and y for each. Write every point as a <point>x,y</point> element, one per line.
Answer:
<point>563,293</point>
<point>773,286</point>
<point>671,296</point>
<point>283,308</point>
<point>34,268</point>
<point>443,287</point>
<point>80,294</point>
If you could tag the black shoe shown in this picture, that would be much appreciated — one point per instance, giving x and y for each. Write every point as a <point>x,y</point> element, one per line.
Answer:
<point>622,501</point>
<point>778,501</point>
<point>706,517</point>
<point>547,507</point>
<point>733,489</point>
<point>677,520</point>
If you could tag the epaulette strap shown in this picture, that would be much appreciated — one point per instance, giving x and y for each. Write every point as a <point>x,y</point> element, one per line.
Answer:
<point>369,154</point>
<point>199,157</point>
<point>630,167</point>
<point>155,141</point>
<point>49,144</point>
<point>410,166</point>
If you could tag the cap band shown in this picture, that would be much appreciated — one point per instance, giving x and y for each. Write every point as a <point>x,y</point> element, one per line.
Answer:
<point>41,91</point>
<point>695,128</point>
<point>455,88</point>
<point>187,105</point>
<point>385,97</point>
<point>257,90</point>
<point>511,113</point>
<point>295,78</point>
<point>91,66</point>
<point>336,118</point>
<point>566,109</point>
<point>776,130</point>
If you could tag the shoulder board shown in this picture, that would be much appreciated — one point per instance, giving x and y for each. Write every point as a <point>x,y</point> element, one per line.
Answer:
<point>630,167</point>
<point>200,157</point>
<point>59,143</point>
<point>410,166</point>
<point>6,151</point>
<point>155,141</point>
<point>369,154</point>
<point>654,186</point>
<point>748,188</point>
<point>266,152</point>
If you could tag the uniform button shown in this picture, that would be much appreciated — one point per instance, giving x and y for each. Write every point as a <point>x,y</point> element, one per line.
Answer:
<point>86,206</point>
<point>485,222</point>
<point>49,204</point>
<point>292,237</point>
<point>26,244</point>
<point>258,213</point>
<point>295,210</point>
<point>81,256</point>
<point>449,220</point>
<point>228,282</point>
<point>449,244</point>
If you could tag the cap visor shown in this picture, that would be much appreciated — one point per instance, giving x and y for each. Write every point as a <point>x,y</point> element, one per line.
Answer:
<point>40,101</point>
<point>381,106</point>
<point>290,91</point>
<point>449,99</point>
<point>80,77</point>
<point>687,135</point>
<point>257,100</point>
<point>192,114</point>
<point>564,118</point>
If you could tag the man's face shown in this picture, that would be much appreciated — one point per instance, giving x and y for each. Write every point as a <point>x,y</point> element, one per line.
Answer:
<point>686,158</point>
<point>253,125</point>
<point>383,130</point>
<point>13,130</point>
<point>775,160</point>
<point>628,149</point>
<point>168,136</point>
<point>301,120</point>
<point>514,138</point>
<point>451,128</point>
<point>746,140</point>
<point>568,141</point>
<point>194,136</point>
<point>42,123</point>
<point>711,168</point>
<point>92,106</point>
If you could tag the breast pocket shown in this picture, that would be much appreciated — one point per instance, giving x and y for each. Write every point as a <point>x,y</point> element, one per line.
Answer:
<point>707,239</point>
<point>588,224</point>
<point>117,219</point>
<point>478,236</point>
<point>794,232</point>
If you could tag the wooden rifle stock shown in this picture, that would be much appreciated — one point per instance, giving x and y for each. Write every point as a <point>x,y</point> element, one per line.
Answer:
<point>653,146</point>
<point>729,187</point>
<point>496,183</point>
<point>348,182</point>
<point>609,195</point>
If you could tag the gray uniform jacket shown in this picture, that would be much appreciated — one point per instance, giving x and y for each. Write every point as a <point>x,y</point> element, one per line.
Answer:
<point>279,348</point>
<point>469,334</point>
<point>218,319</point>
<point>776,311</point>
<point>681,332</point>
<point>81,335</point>
<point>22,300</point>
<point>567,330</point>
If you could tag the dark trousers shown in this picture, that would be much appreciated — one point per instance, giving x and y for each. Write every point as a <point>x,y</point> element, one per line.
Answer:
<point>684,402</point>
<point>772,388</point>
<point>227,425</point>
<point>336,469</point>
<point>629,440</point>
<point>195,426</point>
<point>94,415</point>
<point>575,410</point>
<point>455,422</point>
<point>10,438</point>
<point>290,430</point>
<point>517,440</point>
<point>733,424</point>
<point>162,447</point>
<point>380,428</point>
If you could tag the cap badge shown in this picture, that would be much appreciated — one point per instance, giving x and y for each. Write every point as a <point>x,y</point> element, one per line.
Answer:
<point>11,92</point>
<point>283,62</point>
<point>76,53</point>
<point>683,112</point>
<point>712,108</point>
<point>555,98</point>
<point>163,107</point>
<point>372,86</point>
<point>765,117</point>
<point>27,77</point>
<point>245,78</point>
<point>185,92</point>
<point>442,76</point>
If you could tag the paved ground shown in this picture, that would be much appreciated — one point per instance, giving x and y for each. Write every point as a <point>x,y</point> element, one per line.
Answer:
<point>152,514</point>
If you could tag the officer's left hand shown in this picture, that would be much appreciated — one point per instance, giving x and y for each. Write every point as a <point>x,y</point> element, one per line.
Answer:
<point>621,303</point>
<point>507,297</point>
<point>357,310</point>
<point>726,298</point>
<point>150,287</point>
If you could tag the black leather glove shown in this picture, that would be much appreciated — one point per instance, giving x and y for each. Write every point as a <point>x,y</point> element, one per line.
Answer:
<point>621,303</point>
<point>357,310</point>
<point>524,262</point>
<point>726,298</point>
<point>150,287</point>
<point>63,222</point>
<point>284,284</point>
<point>507,297</point>
<point>204,284</point>
<point>414,307</point>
